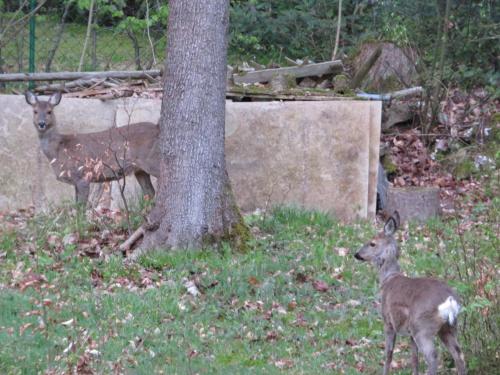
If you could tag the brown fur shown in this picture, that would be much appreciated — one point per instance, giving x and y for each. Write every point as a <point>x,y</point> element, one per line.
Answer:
<point>79,159</point>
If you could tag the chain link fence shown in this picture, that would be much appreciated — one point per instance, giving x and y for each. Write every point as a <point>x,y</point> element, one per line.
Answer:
<point>65,40</point>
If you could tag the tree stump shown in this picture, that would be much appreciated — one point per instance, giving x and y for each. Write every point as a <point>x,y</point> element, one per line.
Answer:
<point>414,203</point>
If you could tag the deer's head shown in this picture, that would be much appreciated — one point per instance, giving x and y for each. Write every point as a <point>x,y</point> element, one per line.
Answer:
<point>383,246</point>
<point>43,116</point>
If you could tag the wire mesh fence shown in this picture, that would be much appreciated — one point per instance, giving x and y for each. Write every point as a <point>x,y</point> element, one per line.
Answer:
<point>65,40</point>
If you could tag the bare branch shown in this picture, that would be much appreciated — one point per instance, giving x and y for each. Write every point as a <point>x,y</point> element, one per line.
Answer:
<point>337,37</point>
<point>21,20</point>
<point>149,36</point>
<point>87,36</point>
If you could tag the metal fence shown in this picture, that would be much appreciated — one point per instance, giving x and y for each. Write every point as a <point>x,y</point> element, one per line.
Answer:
<point>42,39</point>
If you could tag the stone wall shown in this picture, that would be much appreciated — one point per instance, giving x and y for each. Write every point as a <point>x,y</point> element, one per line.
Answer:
<point>317,155</point>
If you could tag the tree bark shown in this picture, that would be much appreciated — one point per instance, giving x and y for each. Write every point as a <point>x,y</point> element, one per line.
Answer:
<point>137,49</point>
<point>195,206</point>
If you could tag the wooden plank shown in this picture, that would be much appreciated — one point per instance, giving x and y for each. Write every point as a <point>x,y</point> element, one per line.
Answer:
<point>328,67</point>
<point>70,76</point>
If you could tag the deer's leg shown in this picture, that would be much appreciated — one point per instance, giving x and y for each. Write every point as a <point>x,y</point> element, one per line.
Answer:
<point>145,181</point>
<point>82,189</point>
<point>390,339</point>
<point>414,356</point>
<point>425,344</point>
<point>449,339</point>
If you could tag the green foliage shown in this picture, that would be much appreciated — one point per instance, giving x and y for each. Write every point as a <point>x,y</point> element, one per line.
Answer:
<point>269,31</point>
<point>157,18</point>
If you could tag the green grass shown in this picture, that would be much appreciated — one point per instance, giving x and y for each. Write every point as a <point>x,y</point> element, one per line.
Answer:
<point>257,313</point>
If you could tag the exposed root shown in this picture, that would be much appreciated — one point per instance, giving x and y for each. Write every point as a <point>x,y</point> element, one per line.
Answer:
<point>124,247</point>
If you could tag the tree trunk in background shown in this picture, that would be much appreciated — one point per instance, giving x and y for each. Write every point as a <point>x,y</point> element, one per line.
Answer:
<point>195,205</point>
<point>58,37</point>
<point>137,49</point>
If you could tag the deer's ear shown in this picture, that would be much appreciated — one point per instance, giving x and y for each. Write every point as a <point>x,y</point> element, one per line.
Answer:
<point>55,98</point>
<point>390,226</point>
<point>31,98</point>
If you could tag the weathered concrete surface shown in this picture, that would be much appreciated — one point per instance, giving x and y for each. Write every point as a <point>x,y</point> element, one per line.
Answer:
<point>311,154</point>
<point>317,155</point>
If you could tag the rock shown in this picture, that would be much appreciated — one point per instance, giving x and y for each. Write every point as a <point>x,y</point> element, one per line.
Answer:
<point>70,239</point>
<point>484,162</point>
<point>396,113</point>
<point>325,84</point>
<point>307,82</point>
<point>341,83</point>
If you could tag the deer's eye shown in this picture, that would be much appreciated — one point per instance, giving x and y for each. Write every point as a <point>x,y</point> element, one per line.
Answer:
<point>49,112</point>
<point>36,112</point>
<point>373,244</point>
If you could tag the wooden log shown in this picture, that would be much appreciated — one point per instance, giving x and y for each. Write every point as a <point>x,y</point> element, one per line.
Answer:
<point>70,76</point>
<point>414,203</point>
<point>329,67</point>
<point>79,83</point>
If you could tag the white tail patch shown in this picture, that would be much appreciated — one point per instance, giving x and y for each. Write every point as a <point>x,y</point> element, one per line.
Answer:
<point>449,310</point>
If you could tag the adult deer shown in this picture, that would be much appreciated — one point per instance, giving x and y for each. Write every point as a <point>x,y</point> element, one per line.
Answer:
<point>79,159</point>
<point>421,307</point>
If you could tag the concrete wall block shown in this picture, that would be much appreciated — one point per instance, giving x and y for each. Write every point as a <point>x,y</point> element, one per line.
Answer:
<point>315,155</point>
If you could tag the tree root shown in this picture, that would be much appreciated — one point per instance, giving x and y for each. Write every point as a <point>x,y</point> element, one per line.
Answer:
<point>129,242</point>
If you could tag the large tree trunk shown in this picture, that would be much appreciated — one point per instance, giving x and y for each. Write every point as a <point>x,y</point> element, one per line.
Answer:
<point>195,206</point>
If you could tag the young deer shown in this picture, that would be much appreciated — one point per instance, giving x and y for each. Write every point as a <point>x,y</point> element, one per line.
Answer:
<point>420,307</point>
<point>79,159</point>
